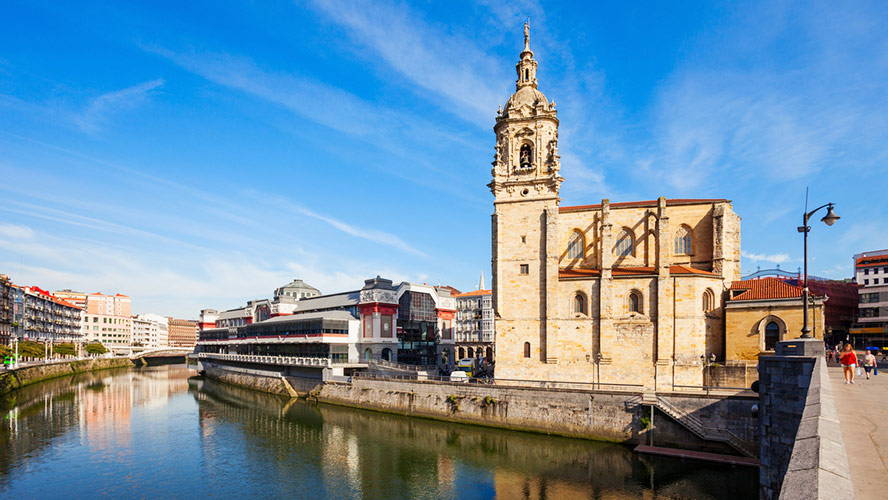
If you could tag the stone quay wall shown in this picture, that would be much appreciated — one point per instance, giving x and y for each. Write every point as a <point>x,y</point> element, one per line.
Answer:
<point>600,415</point>
<point>270,379</point>
<point>802,452</point>
<point>11,380</point>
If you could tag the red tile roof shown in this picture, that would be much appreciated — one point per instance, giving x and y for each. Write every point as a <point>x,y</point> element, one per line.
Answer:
<point>475,293</point>
<point>763,289</point>
<point>39,291</point>
<point>645,203</point>
<point>631,271</point>
<point>872,261</point>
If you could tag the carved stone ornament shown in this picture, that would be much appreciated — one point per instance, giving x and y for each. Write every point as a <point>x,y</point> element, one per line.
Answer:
<point>524,132</point>
<point>382,296</point>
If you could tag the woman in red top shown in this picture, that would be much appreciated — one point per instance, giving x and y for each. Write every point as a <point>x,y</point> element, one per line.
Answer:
<point>849,362</point>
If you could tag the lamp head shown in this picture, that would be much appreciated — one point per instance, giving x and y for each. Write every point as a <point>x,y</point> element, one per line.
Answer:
<point>830,218</point>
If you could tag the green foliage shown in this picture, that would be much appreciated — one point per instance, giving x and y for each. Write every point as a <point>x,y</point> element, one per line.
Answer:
<point>5,351</point>
<point>489,401</point>
<point>95,348</point>
<point>31,349</point>
<point>645,418</point>
<point>64,349</point>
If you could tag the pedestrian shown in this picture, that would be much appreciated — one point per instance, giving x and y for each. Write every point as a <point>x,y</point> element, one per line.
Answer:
<point>869,362</point>
<point>849,363</point>
<point>829,356</point>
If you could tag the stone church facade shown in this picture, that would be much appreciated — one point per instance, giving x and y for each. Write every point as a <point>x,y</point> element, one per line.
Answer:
<point>620,293</point>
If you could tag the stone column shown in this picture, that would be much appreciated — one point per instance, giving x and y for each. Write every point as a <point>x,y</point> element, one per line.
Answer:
<point>606,309</point>
<point>550,290</point>
<point>664,333</point>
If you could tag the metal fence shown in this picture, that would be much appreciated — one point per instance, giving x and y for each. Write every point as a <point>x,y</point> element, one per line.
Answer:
<point>538,384</point>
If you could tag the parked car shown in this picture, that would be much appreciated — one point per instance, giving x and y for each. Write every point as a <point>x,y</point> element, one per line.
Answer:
<point>459,376</point>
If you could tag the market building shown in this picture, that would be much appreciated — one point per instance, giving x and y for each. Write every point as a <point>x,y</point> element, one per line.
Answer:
<point>407,324</point>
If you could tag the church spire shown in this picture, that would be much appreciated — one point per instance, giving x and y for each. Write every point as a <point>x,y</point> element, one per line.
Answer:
<point>481,283</point>
<point>527,38</point>
<point>527,65</point>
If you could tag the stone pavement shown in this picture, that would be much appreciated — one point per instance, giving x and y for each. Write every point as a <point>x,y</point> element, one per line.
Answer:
<point>863,417</point>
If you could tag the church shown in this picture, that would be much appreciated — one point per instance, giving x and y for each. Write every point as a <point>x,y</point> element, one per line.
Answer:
<point>611,293</point>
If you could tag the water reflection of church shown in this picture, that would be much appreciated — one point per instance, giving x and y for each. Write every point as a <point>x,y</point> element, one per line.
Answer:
<point>406,323</point>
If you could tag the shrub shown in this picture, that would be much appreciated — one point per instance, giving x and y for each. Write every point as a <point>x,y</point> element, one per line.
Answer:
<point>95,348</point>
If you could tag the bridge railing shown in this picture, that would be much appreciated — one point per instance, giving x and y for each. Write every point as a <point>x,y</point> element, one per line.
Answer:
<point>270,360</point>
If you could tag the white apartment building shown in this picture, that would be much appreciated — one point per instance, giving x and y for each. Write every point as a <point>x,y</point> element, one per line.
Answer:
<point>474,325</point>
<point>871,274</point>
<point>114,332</point>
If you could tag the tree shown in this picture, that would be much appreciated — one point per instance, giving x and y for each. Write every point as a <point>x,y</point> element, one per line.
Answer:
<point>31,349</point>
<point>64,349</point>
<point>96,348</point>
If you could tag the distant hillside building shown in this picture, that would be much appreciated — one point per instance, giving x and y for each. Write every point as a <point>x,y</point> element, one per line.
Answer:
<point>871,274</point>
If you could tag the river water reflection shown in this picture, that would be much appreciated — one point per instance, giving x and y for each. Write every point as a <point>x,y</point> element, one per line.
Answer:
<point>159,432</point>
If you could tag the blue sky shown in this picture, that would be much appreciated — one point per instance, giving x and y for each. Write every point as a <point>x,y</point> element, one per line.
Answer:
<point>200,154</point>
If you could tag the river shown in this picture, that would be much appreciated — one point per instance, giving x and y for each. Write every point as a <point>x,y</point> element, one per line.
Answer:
<point>161,432</point>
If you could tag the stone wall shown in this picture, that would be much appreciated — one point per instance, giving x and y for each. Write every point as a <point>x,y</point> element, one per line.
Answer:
<point>270,379</point>
<point>736,374</point>
<point>600,415</point>
<point>16,379</point>
<point>802,451</point>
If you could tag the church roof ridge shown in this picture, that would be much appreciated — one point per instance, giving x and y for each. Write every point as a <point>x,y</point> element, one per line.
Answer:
<point>643,203</point>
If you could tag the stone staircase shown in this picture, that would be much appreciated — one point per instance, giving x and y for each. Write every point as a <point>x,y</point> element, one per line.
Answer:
<point>697,426</point>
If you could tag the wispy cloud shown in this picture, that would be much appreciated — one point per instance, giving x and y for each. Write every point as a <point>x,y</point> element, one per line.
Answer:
<point>373,235</point>
<point>16,232</point>
<point>447,64</point>
<point>99,109</point>
<point>776,258</point>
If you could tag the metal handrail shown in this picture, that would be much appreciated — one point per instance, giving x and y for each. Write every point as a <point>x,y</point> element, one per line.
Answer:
<point>506,382</point>
<point>271,360</point>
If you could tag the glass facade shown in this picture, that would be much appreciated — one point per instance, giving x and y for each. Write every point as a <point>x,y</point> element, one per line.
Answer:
<point>416,342</point>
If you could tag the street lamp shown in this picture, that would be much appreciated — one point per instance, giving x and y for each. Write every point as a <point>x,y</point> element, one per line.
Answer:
<point>829,219</point>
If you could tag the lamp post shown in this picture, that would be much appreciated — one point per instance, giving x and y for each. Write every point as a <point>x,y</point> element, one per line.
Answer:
<point>829,219</point>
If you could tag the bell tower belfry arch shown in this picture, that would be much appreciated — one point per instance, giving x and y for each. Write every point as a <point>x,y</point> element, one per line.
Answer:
<point>525,224</point>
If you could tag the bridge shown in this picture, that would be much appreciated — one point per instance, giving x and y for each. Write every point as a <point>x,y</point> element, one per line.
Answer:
<point>162,352</point>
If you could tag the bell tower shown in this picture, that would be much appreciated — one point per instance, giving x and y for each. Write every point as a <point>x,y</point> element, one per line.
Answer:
<point>525,223</point>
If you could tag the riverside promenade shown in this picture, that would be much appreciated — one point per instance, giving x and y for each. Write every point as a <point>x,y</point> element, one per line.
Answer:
<point>863,418</point>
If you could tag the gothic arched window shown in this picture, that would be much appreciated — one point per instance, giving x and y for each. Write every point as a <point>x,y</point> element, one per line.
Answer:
<point>635,302</point>
<point>772,335</point>
<point>576,245</point>
<point>524,159</point>
<point>684,241</point>
<point>579,303</point>
<point>708,300</point>
<point>626,244</point>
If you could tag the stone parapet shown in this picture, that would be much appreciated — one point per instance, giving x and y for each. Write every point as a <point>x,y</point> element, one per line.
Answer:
<point>802,453</point>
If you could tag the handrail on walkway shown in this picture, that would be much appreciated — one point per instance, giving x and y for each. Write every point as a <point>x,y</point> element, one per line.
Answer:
<point>543,384</point>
